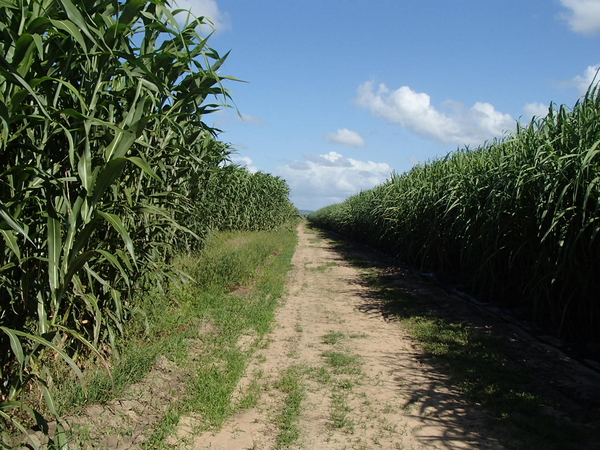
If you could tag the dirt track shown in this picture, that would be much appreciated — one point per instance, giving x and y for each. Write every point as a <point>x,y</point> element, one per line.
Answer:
<point>386,397</point>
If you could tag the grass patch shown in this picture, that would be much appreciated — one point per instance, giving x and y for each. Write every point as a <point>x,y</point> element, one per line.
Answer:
<point>148,337</point>
<point>324,267</point>
<point>480,362</point>
<point>343,363</point>
<point>333,338</point>
<point>252,394</point>
<point>290,384</point>
<point>320,374</point>
<point>340,411</point>
<point>165,428</point>
<point>210,392</point>
<point>341,371</point>
<point>258,261</point>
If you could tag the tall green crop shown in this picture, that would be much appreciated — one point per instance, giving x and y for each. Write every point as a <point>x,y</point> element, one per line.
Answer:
<point>235,199</point>
<point>516,220</point>
<point>102,151</point>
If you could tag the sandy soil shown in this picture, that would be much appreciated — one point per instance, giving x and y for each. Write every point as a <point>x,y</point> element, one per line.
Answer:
<point>392,399</point>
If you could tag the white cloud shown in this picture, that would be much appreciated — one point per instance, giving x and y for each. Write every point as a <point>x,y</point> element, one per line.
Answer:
<point>322,180</point>
<point>535,109</point>
<point>244,161</point>
<point>582,82</point>
<point>413,110</point>
<point>206,8</point>
<point>250,119</point>
<point>583,16</point>
<point>346,137</point>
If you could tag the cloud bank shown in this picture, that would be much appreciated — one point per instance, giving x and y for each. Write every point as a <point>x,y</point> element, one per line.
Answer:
<point>535,109</point>
<point>414,111</point>
<point>244,161</point>
<point>205,8</point>
<point>582,82</point>
<point>583,16</point>
<point>322,180</point>
<point>345,137</point>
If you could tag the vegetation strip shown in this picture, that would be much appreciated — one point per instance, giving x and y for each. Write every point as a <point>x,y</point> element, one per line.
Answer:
<point>200,327</point>
<point>346,372</point>
<point>291,384</point>
<point>109,173</point>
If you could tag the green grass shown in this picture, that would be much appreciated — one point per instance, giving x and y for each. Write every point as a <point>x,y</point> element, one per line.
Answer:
<point>252,394</point>
<point>324,267</point>
<point>343,363</point>
<point>333,338</point>
<point>340,411</point>
<point>341,371</point>
<point>320,374</point>
<point>166,427</point>
<point>292,386</point>
<point>172,322</point>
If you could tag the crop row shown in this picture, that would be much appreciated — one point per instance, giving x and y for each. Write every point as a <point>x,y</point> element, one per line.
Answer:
<point>107,169</point>
<point>515,221</point>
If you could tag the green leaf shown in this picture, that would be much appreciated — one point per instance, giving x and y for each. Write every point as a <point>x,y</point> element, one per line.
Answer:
<point>117,224</point>
<point>43,325</point>
<point>112,170</point>
<point>112,259</point>
<point>121,143</point>
<point>54,247</point>
<point>125,258</point>
<point>131,11</point>
<point>71,29</point>
<point>75,266</point>
<point>68,111</point>
<point>7,266</point>
<point>74,225</point>
<point>10,419</point>
<point>90,346</point>
<point>145,167</point>
<point>46,343</point>
<point>61,437</point>
<point>12,4</point>
<point>13,223</point>
<point>15,345</point>
<point>82,238</point>
<point>49,400</point>
<point>38,26</point>
<point>23,47</point>
<point>77,18</point>
<point>9,405</point>
<point>39,44</point>
<point>84,168</point>
<point>11,242</point>
<point>10,71</point>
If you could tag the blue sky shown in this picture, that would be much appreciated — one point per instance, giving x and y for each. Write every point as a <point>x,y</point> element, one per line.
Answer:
<point>340,93</point>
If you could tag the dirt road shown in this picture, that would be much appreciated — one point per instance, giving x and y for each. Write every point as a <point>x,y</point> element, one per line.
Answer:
<point>359,381</point>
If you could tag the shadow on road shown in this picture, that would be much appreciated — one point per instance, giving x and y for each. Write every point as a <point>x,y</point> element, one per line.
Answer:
<point>534,396</point>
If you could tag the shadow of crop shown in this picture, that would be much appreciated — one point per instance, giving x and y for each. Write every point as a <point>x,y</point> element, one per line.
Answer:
<point>458,346</point>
